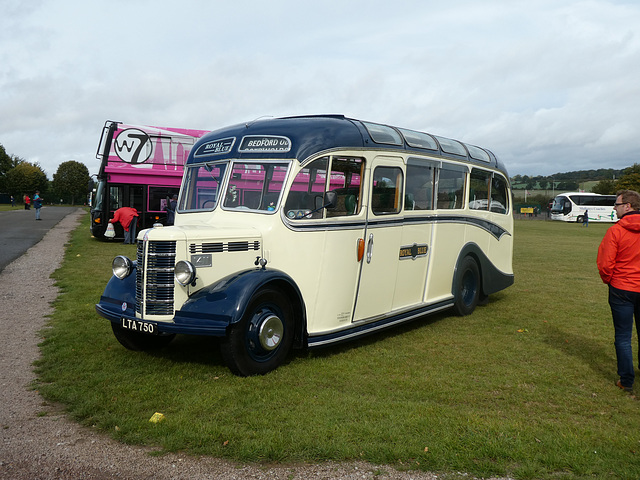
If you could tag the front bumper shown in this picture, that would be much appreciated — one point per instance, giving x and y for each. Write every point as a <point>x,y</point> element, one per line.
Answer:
<point>189,323</point>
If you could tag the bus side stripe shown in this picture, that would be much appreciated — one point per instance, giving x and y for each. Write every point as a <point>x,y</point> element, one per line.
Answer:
<point>494,229</point>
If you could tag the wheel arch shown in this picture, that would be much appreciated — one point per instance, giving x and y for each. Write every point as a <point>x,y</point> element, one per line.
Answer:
<point>228,298</point>
<point>492,280</point>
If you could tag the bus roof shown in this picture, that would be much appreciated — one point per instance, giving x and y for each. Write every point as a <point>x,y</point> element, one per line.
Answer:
<point>303,136</point>
<point>583,193</point>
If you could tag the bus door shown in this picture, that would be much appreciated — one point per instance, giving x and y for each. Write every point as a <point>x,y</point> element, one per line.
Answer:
<point>332,289</point>
<point>137,200</point>
<point>383,238</point>
<point>417,231</point>
<point>136,197</point>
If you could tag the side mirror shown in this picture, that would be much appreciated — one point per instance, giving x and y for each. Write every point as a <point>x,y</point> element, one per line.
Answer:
<point>330,199</point>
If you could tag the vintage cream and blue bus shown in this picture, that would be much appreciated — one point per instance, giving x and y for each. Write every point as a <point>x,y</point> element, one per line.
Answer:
<point>302,232</point>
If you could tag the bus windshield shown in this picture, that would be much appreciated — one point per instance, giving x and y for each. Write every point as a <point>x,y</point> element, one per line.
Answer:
<point>251,186</point>
<point>201,187</point>
<point>558,204</point>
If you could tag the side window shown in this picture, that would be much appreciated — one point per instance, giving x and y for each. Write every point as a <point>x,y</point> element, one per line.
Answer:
<point>479,189</point>
<point>386,196</point>
<point>419,194</point>
<point>307,191</point>
<point>159,197</point>
<point>450,187</point>
<point>346,180</point>
<point>306,195</point>
<point>499,194</point>
<point>116,195</point>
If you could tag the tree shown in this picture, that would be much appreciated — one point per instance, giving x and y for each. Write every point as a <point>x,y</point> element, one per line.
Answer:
<point>7,162</point>
<point>630,179</point>
<point>26,178</point>
<point>71,181</point>
<point>605,187</point>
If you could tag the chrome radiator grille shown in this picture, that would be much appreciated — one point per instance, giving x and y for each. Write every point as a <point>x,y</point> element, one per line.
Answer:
<point>155,296</point>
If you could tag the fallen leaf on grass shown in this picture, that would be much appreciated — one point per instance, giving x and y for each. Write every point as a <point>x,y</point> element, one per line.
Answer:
<point>156,417</point>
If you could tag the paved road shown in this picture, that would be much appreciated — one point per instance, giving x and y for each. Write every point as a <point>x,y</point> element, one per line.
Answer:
<point>19,230</point>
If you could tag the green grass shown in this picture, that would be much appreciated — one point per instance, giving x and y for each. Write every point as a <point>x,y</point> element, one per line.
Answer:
<point>8,207</point>
<point>523,387</point>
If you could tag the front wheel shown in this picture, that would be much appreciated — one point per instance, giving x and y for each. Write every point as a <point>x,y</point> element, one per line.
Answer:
<point>140,341</point>
<point>261,340</point>
<point>467,288</point>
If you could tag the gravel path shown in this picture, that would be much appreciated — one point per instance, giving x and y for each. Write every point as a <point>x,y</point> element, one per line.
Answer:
<point>35,445</point>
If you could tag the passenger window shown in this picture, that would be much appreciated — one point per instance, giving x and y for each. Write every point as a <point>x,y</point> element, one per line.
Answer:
<point>419,195</point>
<point>386,196</point>
<point>499,194</point>
<point>306,195</point>
<point>479,189</point>
<point>307,191</point>
<point>345,180</point>
<point>450,187</point>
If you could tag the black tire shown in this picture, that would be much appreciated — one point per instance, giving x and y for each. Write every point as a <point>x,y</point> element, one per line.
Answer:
<point>579,219</point>
<point>261,340</point>
<point>467,287</point>
<point>140,342</point>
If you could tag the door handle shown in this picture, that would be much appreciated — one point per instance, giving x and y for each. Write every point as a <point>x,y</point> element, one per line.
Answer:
<point>370,248</point>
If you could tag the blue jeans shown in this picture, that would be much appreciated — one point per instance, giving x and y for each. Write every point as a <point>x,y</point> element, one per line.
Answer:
<point>130,236</point>
<point>37,213</point>
<point>625,306</point>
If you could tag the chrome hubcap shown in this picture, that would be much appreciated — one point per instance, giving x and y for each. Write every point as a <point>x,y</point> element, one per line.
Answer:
<point>271,331</point>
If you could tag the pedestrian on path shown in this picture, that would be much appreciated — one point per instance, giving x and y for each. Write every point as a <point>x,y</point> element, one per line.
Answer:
<point>37,204</point>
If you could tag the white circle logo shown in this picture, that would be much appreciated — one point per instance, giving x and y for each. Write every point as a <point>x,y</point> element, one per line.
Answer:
<point>133,146</point>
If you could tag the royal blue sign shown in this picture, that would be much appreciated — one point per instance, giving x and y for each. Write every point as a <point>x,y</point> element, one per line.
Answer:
<point>215,147</point>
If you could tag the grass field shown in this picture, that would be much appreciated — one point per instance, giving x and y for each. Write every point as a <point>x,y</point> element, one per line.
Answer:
<point>523,387</point>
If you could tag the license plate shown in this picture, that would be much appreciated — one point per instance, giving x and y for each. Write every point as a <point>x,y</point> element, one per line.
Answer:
<point>138,326</point>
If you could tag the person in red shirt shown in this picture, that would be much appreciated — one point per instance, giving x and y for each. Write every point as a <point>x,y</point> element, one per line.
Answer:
<point>128,218</point>
<point>619,267</point>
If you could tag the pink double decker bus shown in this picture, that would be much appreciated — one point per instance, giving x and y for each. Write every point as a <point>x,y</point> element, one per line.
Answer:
<point>140,167</point>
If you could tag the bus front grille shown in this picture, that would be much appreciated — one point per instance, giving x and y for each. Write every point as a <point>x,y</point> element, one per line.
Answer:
<point>154,281</point>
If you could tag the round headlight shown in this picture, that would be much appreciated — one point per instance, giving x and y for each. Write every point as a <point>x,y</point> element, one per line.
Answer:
<point>121,267</point>
<point>185,273</point>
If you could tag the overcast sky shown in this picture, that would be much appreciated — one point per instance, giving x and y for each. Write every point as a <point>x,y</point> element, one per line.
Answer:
<point>548,85</point>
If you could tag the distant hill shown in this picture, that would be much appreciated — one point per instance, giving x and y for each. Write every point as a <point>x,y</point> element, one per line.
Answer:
<point>576,180</point>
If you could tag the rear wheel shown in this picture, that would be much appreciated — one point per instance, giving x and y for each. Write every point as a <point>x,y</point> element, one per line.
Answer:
<point>467,288</point>
<point>261,340</point>
<point>139,341</point>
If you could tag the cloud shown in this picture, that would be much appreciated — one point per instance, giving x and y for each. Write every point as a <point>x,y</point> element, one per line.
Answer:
<point>548,86</point>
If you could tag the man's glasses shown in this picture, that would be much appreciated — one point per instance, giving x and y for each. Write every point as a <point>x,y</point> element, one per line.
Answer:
<point>618,204</point>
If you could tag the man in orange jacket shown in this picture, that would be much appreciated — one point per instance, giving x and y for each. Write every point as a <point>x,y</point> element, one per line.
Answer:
<point>128,218</point>
<point>619,266</point>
